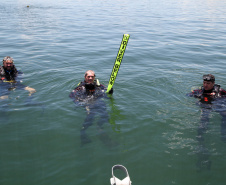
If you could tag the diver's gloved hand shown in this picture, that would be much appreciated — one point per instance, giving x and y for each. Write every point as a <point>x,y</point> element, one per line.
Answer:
<point>111,91</point>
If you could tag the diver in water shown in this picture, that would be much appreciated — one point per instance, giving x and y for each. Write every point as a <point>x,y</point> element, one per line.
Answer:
<point>209,91</point>
<point>208,94</point>
<point>90,93</point>
<point>211,98</point>
<point>8,75</point>
<point>89,87</point>
<point>8,71</point>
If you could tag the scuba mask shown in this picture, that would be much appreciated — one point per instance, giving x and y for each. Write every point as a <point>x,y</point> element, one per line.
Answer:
<point>208,78</point>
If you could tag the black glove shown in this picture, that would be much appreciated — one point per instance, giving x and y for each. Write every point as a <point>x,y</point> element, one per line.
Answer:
<point>111,91</point>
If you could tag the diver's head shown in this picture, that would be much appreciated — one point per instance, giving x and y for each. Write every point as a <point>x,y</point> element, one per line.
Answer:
<point>8,62</point>
<point>208,81</point>
<point>89,76</point>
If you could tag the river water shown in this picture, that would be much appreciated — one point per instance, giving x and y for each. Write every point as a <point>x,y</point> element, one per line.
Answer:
<point>152,125</point>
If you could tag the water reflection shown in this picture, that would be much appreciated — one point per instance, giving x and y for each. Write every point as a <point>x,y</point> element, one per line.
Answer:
<point>115,115</point>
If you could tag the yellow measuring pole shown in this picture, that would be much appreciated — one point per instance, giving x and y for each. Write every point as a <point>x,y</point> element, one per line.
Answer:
<point>118,61</point>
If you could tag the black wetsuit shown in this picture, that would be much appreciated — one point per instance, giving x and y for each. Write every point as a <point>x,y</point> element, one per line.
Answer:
<point>208,96</point>
<point>91,97</point>
<point>211,100</point>
<point>9,80</point>
<point>8,75</point>
<point>87,91</point>
<point>83,90</point>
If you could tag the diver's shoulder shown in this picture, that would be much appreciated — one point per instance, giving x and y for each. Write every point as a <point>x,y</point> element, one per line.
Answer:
<point>222,91</point>
<point>98,84</point>
<point>80,84</point>
<point>2,71</point>
<point>199,90</point>
<point>219,90</point>
<point>195,92</point>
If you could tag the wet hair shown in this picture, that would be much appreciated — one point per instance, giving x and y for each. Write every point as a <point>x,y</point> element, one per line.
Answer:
<point>7,58</point>
<point>209,77</point>
<point>90,71</point>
